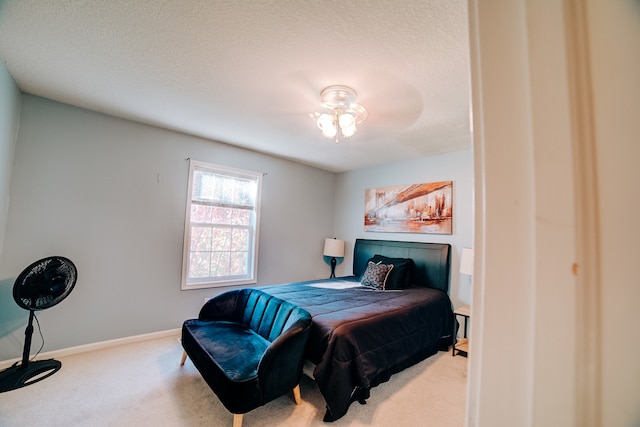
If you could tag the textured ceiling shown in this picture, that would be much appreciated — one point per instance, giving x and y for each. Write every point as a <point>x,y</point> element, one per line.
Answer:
<point>250,72</point>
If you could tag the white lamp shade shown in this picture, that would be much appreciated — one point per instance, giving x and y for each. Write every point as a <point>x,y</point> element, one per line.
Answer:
<point>333,247</point>
<point>466,262</point>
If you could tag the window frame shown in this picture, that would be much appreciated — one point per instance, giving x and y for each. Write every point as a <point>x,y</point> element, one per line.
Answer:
<point>252,274</point>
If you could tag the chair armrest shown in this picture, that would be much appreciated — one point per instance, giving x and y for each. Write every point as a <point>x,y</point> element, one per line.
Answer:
<point>281,366</point>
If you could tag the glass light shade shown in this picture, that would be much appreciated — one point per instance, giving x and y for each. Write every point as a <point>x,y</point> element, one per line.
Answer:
<point>349,131</point>
<point>333,247</point>
<point>347,124</point>
<point>327,125</point>
<point>346,120</point>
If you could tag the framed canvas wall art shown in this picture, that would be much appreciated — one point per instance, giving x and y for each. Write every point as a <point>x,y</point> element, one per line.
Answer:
<point>415,208</point>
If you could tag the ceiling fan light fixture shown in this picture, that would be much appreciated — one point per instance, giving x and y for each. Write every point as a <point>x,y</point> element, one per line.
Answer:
<point>341,112</point>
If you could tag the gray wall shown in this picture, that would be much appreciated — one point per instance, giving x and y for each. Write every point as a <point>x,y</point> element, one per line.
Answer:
<point>110,195</point>
<point>9,119</point>
<point>349,208</point>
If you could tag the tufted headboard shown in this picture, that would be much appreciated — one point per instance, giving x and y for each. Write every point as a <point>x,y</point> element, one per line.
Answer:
<point>432,260</point>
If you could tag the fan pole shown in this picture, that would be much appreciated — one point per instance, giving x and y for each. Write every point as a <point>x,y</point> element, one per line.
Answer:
<point>28,334</point>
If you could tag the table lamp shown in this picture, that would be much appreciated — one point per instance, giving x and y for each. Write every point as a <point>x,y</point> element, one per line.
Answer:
<point>466,263</point>
<point>333,248</point>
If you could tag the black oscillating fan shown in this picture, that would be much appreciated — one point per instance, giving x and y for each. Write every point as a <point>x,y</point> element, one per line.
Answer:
<point>41,285</point>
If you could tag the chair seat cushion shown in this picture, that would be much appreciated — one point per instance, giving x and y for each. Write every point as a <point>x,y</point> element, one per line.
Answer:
<point>235,349</point>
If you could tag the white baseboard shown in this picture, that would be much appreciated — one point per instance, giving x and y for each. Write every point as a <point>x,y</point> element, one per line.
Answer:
<point>97,346</point>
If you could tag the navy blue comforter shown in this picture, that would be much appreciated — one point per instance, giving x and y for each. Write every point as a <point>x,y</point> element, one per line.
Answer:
<point>360,337</point>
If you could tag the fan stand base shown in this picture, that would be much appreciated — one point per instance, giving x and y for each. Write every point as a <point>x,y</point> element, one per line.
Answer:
<point>20,376</point>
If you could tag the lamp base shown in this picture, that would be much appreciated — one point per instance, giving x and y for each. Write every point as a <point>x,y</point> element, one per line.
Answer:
<point>333,267</point>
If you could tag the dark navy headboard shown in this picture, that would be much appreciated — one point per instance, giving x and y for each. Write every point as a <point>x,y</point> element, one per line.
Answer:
<point>432,260</point>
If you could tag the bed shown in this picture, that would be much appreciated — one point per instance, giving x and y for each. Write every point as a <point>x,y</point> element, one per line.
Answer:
<point>361,335</point>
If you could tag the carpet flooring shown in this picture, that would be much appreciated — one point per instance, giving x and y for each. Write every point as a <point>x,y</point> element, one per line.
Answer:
<point>142,384</point>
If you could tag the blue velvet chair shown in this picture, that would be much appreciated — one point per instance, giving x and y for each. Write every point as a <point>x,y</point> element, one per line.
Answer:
<point>249,348</point>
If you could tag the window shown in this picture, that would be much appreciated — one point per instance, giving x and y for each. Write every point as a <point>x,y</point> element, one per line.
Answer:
<point>221,226</point>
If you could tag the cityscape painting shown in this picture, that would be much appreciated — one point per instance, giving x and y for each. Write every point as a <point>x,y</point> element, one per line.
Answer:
<point>415,208</point>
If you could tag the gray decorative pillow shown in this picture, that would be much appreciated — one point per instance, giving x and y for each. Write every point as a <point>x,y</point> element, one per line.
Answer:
<point>375,276</point>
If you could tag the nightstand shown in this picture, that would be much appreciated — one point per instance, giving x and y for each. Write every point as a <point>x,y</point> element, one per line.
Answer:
<point>461,345</point>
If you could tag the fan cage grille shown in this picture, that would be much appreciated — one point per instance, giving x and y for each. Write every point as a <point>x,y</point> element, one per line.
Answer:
<point>45,283</point>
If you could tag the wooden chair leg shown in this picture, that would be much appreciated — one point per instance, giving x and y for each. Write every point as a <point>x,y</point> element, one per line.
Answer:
<point>296,394</point>
<point>237,420</point>
<point>184,358</point>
